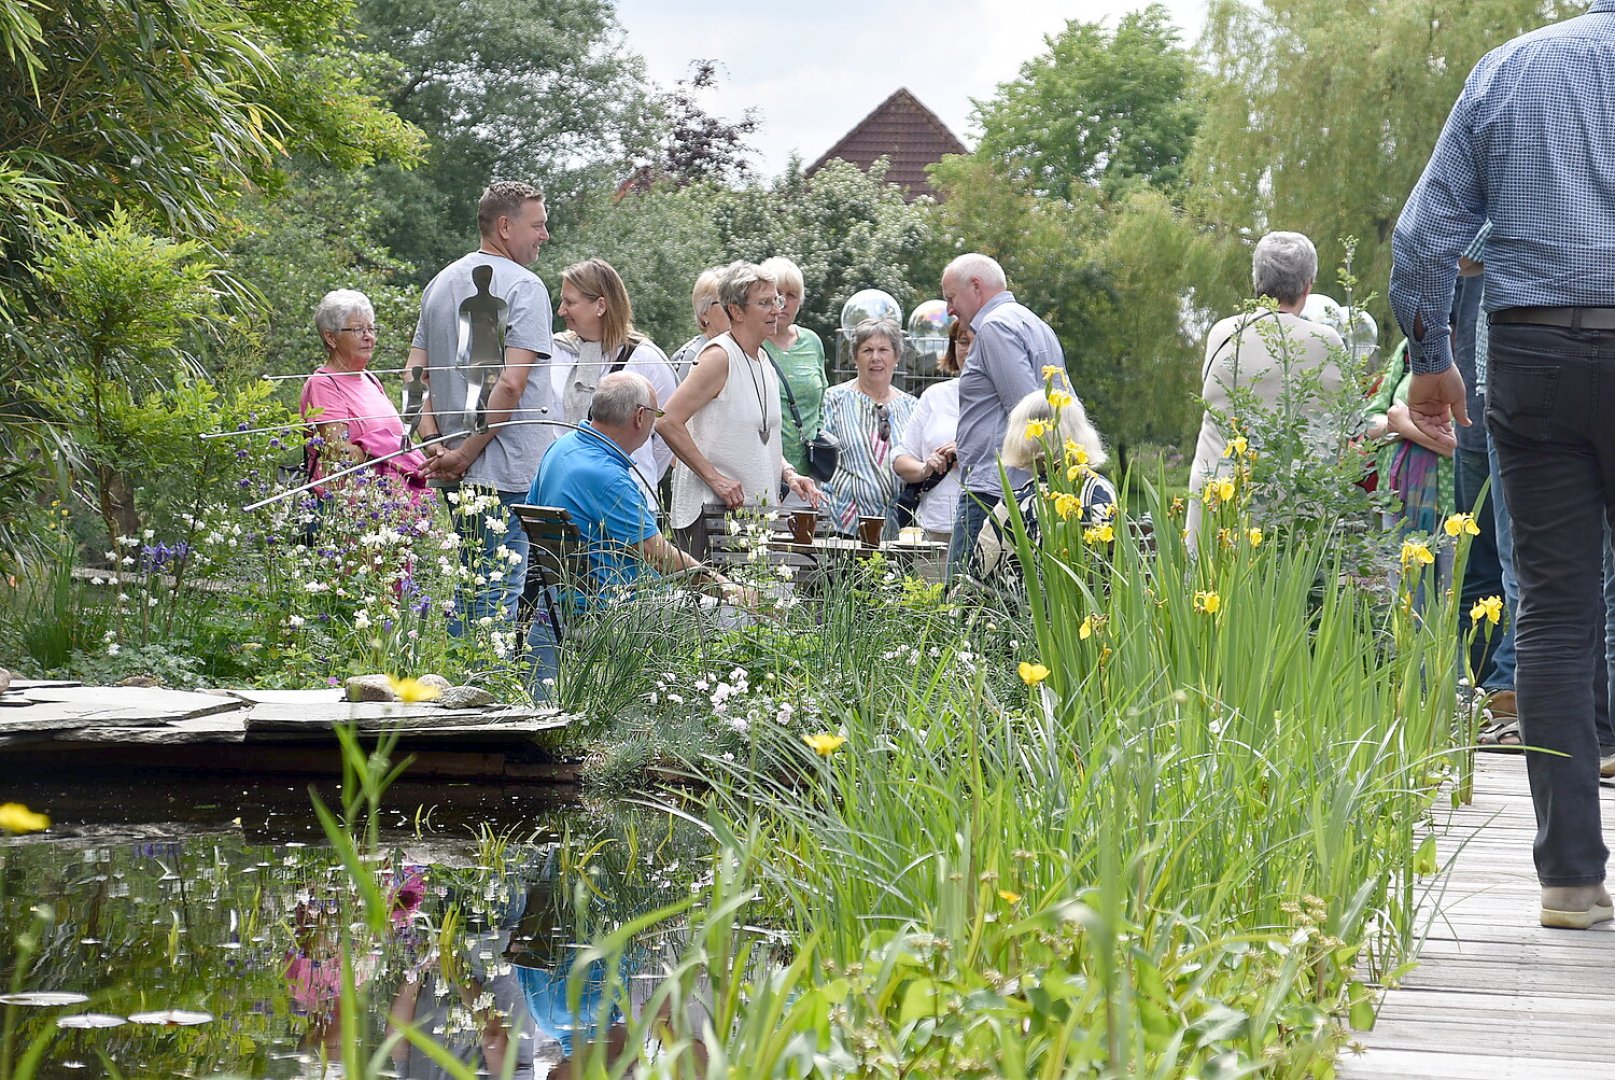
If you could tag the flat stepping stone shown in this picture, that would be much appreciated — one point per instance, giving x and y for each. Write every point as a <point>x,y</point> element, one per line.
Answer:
<point>218,728</point>
<point>136,705</point>
<point>418,718</point>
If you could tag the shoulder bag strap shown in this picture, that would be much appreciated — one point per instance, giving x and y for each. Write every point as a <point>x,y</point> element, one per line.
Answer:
<point>790,398</point>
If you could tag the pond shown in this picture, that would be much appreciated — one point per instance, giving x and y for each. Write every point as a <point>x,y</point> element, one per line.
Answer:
<point>195,929</point>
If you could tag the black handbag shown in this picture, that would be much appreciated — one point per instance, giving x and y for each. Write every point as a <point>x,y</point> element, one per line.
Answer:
<point>823,449</point>
<point>905,507</point>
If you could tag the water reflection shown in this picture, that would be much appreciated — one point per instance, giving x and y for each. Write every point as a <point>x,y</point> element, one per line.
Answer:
<point>477,950</point>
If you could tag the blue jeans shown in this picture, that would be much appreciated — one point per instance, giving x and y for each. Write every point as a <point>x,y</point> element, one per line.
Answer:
<point>479,553</point>
<point>1550,407</point>
<point>975,507</point>
<point>544,648</point>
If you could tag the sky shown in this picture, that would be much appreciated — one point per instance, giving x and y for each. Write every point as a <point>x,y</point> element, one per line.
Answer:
<point>814,69</point>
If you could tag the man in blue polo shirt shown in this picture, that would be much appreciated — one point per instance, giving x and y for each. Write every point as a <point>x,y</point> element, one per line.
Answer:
<point>588,473</point>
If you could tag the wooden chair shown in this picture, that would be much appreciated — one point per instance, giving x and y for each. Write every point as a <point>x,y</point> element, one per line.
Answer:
<point>557,557</point>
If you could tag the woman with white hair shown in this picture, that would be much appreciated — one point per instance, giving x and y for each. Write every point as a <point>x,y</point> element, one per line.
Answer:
<point>723,422</point>
<point>1041,420</point>
<point>868,416</point>
<point>798,357</point>
<point>353,417</point>
<point>1261,355</point>
<point>710,321</point>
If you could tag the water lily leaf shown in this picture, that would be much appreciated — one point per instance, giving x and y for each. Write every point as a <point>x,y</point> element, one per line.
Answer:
<point>171,1018</point>
<point>90,1020</point>
<point>44,998</point>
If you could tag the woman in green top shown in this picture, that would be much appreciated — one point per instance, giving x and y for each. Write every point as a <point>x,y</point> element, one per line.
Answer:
<point>799,354</point>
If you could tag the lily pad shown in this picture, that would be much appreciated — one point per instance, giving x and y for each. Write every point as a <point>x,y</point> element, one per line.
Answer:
<point>44,998</point>
<point>171,1018</point>
<point>90,1020</point>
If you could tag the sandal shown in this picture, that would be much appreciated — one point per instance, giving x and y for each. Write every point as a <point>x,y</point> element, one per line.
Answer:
<point>1502,734</point>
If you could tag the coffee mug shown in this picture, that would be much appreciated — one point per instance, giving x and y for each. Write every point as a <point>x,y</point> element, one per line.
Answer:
<point>803,525</point>
<point>869,530</point>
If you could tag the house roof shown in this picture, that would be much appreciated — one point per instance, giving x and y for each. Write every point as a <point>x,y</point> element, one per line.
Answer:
<point>903,130</point>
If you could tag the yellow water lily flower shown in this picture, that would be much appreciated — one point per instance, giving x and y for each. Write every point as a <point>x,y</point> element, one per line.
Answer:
<point>1457,524</point>
<point>1416,552</point>
<point>1032,674</point>
<point>1085,631</point>
<point>411,690</point>
<point>825,743</point>
<point>1036,429</point>
<point>1207,602</point>
<point>1255,537</point>
<point>17,818</point>
<point>1489,608</point>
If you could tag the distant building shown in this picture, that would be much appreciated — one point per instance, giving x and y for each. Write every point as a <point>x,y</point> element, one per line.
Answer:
<point>904,131</point>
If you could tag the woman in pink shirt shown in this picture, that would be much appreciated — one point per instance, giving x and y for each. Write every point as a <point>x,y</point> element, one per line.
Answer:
<point>351,413</point>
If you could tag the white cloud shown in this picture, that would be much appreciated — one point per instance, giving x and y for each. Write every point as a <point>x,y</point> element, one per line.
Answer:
<point>814,71</point>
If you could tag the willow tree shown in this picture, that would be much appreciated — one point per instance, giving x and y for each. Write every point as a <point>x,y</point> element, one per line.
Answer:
<point>1320,117</point>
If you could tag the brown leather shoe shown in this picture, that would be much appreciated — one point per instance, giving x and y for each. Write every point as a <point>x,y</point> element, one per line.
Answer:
<point>1500,705</point>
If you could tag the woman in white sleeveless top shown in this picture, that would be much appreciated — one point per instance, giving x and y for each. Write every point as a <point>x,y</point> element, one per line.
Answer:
<point>723,422</point>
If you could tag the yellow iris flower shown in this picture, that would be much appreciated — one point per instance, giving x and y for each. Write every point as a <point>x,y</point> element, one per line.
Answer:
<point>1489,608</point>
<point>17,818</point>
<point>1032,674</point>
<point>825,743</point>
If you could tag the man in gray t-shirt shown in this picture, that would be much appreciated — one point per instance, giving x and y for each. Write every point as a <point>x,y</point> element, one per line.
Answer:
<point>500,461</point>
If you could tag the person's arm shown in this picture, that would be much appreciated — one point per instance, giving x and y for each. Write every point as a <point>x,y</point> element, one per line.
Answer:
<point>668,559</point>
<point>1399,421</point>
<point>337,452</point>
<point>502,404</point>
<point>802,486</point>
<point>699,389</point>
<point>427,428</point>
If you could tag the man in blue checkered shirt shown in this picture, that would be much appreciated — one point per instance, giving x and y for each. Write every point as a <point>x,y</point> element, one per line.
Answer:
<point>1530,145</point>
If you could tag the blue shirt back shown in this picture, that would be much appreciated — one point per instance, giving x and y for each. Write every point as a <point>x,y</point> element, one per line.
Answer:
<point>1531,145</point>
<point>1006,363</point>
<point>587,475</point>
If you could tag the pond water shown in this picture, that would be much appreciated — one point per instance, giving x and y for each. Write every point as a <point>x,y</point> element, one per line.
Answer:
<point>219,908</point>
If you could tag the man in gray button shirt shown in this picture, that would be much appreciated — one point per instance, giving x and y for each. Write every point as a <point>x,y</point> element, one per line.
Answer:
<point>498,461</point>
<point>1005,363</point>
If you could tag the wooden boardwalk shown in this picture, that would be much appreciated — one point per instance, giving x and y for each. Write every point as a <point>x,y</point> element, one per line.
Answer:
<point>1495,995</point>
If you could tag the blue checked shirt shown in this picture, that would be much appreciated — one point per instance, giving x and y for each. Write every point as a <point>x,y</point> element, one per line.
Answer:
<point>1530,145</point>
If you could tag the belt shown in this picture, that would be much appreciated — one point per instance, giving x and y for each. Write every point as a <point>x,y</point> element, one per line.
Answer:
<point>1571,318</point>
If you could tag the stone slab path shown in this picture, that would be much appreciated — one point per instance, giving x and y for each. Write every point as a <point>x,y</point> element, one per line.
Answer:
<point>1496,996</point>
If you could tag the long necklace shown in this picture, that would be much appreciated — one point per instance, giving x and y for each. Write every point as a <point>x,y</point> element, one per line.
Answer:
<point>764,428</point>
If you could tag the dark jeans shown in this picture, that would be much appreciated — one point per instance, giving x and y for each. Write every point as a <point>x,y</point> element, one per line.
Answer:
<point>1550,407</point>
<point>1483,573</point>
<point>974,509</point>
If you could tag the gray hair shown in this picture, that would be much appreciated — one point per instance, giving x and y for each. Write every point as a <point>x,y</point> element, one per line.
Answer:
<point>872,328</point>
<point>1284,266</point>
<point>973,264</point>
<point>735,285</point>
<point>618,396</point>
<point>705,293</point>
<point>335,307</point>
<point>1022,453</point>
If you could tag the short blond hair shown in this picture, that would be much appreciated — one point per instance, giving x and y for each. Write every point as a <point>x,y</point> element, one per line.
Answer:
<point>1021,452</point>
<point>704,296</point>
<point>786,274</point>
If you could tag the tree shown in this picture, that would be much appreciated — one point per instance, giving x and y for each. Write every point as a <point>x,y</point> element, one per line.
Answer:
<point>1322,121</point>
<point>699,146</point>
<point>536,90</point>
<point>1109,110</point>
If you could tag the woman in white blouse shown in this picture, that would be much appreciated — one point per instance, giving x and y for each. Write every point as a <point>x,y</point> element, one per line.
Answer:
<point>926,454</point>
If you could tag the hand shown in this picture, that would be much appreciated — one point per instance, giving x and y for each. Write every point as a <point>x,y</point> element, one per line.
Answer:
<point>730,491</point>
<point>804,488</point>
<point>447,465</point>
<point>738,595</point>
<point>1434,401</point>
<point>937,464</point>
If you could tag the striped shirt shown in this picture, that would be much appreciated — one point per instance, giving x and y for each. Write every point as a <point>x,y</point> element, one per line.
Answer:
<point>1530,144</point>
<point>864,483</point>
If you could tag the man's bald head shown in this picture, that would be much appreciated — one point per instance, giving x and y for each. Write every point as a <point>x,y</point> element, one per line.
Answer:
<point>619,396</point>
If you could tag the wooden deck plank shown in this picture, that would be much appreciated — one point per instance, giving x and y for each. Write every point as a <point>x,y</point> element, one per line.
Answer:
<point>1495,995</point>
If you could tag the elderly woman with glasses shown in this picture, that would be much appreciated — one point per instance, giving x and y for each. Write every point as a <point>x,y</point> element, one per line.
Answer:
<point>868,416</point>
<point>723,422</point>
<point>353,418</point>
<point>710,320</point>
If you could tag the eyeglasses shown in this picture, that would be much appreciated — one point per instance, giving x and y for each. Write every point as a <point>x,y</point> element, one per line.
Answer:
<point>883,423</point>
<point>373,331</point>
<point>658,413</point>
<point>776,304</point>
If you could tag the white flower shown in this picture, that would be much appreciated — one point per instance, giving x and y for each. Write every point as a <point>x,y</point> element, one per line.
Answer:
<point>149,533</point>
<point>495,524</point>
<point>295,621</point>
<point>361,621</point>
<point>128,560</point>
<point>113,649</point>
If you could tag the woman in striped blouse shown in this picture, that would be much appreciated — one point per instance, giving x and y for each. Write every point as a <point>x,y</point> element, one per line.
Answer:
<point>868,416</point>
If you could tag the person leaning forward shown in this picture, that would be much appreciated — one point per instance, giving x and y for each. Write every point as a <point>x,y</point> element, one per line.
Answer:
<point>1012,348</point>
<point>512,221</point>
<point>589,474</point>
<point>1530,144</point>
